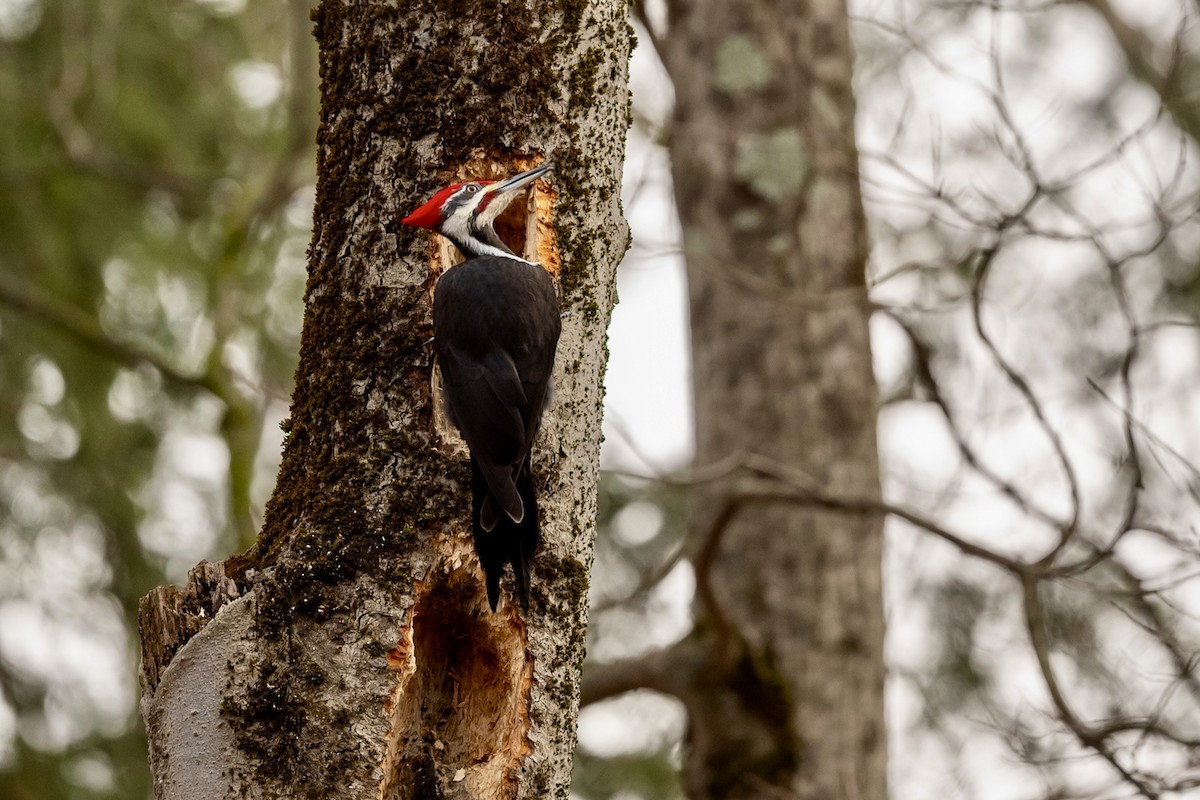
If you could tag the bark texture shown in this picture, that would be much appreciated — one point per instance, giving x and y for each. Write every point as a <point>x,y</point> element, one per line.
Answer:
<point>762,145</point>
<point>350,653</point>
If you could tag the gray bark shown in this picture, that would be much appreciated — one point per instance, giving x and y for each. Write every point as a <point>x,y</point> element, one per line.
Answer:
<point>350,653</point>
<point>789,701</point>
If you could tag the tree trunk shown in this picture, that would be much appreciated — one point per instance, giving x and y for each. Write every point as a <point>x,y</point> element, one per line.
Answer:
<point>351,653</point>
<point>790,703</point>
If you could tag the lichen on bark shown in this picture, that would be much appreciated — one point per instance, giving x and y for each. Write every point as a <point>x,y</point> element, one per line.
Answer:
<point>364,555</point>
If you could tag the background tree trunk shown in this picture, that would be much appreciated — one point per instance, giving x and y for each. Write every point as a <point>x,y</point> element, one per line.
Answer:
<point>766,181</point>
<point>350,653</point>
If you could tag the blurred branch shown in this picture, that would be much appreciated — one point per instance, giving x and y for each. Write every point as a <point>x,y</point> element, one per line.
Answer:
<point>785,484</point>
<point>638,7</point>
<point>777,483</point>
<point>85,329</point>
<point>1095,738</point>
<point>922,361</point>
<point>647,581</point>
<point>1152,619</point>
<point>758,480</point>
<point>772,481</point>
<point>1139,54</point>
<point>1023,387</point>
<point>661,671</point>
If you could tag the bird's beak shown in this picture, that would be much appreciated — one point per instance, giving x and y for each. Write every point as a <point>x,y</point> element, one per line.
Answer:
<point>520,181</point>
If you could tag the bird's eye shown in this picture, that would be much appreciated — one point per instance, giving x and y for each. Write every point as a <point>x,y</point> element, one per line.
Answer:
<point>472,187</point>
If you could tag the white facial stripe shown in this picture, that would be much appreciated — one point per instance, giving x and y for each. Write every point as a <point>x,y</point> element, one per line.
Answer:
<point>494,209</point>
<point>462,207</point>
<point>457,226</point>
<point>468,199</point>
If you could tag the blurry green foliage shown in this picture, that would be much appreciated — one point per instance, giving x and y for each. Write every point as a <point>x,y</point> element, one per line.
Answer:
<point>155,203</point>
<point>639,541</point>
<point>957,676</point>
<point>155,169</point>
<point>650,775</point>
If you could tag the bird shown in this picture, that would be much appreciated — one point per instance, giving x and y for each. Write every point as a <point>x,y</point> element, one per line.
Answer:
<point>496,324</point>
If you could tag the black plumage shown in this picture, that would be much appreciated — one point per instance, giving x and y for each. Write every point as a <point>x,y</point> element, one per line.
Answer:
<point>496,326</point>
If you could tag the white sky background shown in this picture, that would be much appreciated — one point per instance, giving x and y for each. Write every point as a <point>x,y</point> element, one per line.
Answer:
<point>1052,72</point>
<point>648,413</point>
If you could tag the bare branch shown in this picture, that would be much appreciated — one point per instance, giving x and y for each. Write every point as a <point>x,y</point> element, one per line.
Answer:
<point>1094,738</point>
<point>663,671</point>
<point>85,329</point>
<point>1021,384</point>
<point>923,356</point>
<point>773,482</point>
<point>1139,52</point>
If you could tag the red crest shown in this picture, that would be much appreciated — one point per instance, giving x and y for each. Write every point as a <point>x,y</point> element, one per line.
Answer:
<point>430,214</point>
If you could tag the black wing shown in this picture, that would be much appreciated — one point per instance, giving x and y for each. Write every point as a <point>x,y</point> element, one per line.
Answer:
<point>496,326</point>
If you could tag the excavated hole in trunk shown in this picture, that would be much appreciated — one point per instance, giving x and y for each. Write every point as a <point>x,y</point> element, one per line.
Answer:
<point>511,227</point>
<point>459,716</point>
<point>526,228</point>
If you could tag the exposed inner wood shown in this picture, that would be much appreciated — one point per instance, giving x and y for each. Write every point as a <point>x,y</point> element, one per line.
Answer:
<point>168,617</point>
<point>460,716</point>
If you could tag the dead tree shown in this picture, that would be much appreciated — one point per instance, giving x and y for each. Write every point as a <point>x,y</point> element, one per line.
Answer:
<point>350,652</point>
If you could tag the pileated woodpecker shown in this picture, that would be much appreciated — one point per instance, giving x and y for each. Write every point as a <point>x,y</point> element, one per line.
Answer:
<point>495,327</point>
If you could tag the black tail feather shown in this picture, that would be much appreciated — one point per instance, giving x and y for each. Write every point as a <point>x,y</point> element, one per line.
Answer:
<point>507,542</point>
